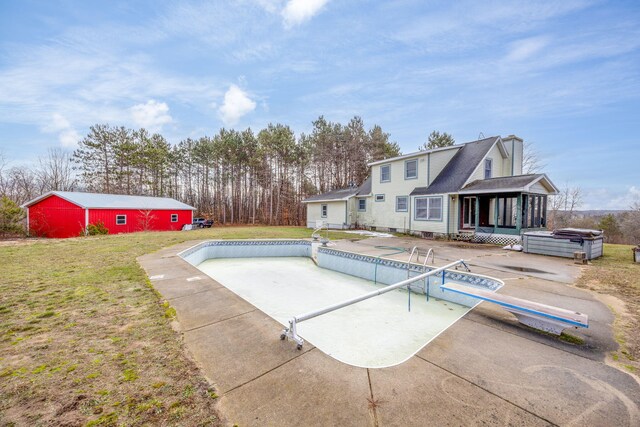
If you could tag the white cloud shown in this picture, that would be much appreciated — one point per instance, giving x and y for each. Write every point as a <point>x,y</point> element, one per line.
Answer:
<point>152,115</point>
<point>67,135</point>
<point>524,49</point>
<point>298,11</point>
<point>236,104</point>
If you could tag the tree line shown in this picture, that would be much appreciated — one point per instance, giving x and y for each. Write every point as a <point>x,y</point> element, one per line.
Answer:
<point>234,176</point>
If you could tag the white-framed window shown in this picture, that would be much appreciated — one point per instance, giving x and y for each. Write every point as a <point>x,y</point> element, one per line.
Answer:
<point>411,169</point>
<point>121,219</point>
<point>362,205</point>
<point>379,197</point>
<point>488,163</point>
<point>174,217</point>
<point>428,208</point>
<point>385,173</point>
<point>402,203</point>
<point>323,211</point>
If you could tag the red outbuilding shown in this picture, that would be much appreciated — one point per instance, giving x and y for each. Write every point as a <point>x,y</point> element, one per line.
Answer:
<point>68,214</point>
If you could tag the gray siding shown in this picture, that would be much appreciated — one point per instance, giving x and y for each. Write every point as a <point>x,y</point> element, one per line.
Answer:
<point>545,244</point>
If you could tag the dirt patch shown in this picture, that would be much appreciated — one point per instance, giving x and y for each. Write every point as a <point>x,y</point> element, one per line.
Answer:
<point>617,281</point>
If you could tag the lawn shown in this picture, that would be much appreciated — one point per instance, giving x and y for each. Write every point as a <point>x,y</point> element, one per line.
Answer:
<point>85,340</point>
<point>617,275</point>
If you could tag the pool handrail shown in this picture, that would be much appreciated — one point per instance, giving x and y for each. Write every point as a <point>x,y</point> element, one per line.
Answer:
<point>291,331</point>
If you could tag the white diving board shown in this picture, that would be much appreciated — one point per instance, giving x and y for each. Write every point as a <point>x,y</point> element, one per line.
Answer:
<point>540,316</point>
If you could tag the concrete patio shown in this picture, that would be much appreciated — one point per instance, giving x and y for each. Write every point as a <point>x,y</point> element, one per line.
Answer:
<point>486,369</point>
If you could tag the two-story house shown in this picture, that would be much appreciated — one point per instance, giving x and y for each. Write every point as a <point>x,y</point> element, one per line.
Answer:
<point>474,190</point>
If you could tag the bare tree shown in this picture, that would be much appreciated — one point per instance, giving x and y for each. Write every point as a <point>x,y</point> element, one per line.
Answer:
<point>146,220</point>
<point>563,205</point>
<point>630,225</point>
<point>531,160</point>
<point>56,171</point>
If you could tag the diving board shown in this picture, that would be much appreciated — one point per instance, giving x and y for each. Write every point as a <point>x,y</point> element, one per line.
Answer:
<point>540,316</point>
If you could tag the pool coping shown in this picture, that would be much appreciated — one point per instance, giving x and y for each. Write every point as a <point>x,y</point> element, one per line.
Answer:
<point>241,353</point>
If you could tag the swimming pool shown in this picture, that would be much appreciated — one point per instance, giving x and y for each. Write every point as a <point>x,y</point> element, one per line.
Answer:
<point>281,279</point>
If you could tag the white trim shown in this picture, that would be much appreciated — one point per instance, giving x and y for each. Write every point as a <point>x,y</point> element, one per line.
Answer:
<point>28,225</point>
<point>172,215</point>
<point>329,200</point>
<point>125,219</point>
<point>86,220</point>
<point>416,154</point>
<point>524,189</point>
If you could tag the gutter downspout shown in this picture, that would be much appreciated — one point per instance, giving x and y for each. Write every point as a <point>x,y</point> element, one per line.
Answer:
<point>28,225</point>
<point>86,221</point>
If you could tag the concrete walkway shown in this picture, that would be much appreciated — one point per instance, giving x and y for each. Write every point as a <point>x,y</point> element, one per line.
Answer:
<point>486,369</point>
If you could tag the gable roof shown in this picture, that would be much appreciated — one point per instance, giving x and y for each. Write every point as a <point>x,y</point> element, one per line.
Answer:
<point>509,184</point>
<point>113,201</point>
<point>459,169</point>
<point>342,193</point>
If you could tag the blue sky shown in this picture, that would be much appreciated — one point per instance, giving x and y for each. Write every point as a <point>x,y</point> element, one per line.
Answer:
<point>564,75</point>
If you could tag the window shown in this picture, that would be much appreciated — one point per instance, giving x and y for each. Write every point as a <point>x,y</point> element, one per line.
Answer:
<point>534,209</point>
<point>488,163</point>
<point>379,197</point>
<point>362,205</point>
<point>323,211</point>
<point>411,169</point>
<point>174,217</point>
<point>385,173</point>
<point>507,211</point>
<point>428,208</point>
<point>121,219</point>
<point>402,204</point>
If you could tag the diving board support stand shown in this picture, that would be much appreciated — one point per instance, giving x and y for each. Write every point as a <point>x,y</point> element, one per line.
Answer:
<point>539,316</point>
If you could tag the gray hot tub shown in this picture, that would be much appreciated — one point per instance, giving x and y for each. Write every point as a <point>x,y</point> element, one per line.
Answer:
<point>564,242</point>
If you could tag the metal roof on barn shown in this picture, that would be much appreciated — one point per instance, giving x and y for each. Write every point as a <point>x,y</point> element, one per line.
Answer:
<point>459,168</point>
<point>114,201</point>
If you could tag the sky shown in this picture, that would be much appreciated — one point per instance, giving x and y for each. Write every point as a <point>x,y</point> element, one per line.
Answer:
<point>564,76</point>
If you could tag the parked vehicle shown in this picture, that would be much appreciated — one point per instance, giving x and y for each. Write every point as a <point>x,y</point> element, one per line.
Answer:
<point>202,222</point>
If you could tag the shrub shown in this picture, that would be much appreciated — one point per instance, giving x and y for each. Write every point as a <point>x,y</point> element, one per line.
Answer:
<point>11,216</point>
<point>97,229</point>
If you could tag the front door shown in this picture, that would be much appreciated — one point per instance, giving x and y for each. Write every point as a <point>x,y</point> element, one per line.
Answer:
<point>468,212</point>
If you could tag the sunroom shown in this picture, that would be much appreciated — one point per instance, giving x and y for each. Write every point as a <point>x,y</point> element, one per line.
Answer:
<point>505,205</point>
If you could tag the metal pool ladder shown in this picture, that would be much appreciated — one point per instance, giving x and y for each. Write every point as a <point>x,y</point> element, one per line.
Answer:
<point>423,269</point>
<point>291,331</point>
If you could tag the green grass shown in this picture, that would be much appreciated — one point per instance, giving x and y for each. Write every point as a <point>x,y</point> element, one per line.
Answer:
<point>66,304</point>
<point>616,274</point>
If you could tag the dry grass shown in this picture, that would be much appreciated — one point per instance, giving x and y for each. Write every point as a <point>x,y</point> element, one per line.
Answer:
<point>617,275</point>
<point>85,340</point>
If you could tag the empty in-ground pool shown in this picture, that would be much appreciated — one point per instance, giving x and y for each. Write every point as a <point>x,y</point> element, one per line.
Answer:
<point>374,333</point>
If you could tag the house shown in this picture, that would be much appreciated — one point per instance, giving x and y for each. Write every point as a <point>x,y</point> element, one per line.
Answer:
<point>472,191</point>
<point>68,214</point>
<point>337,209</point>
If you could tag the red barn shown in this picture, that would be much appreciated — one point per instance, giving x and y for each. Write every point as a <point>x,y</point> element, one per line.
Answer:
<point>68,214</point>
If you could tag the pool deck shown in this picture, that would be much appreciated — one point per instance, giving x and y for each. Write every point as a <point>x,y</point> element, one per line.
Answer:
<point>486,369</point>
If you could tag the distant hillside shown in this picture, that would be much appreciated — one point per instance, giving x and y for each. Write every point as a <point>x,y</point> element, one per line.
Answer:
<point>597,213</point>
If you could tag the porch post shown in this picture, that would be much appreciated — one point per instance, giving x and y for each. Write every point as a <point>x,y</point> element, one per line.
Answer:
<point>496,213</point>
<point>477,215</point>
<point>519,214</point>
